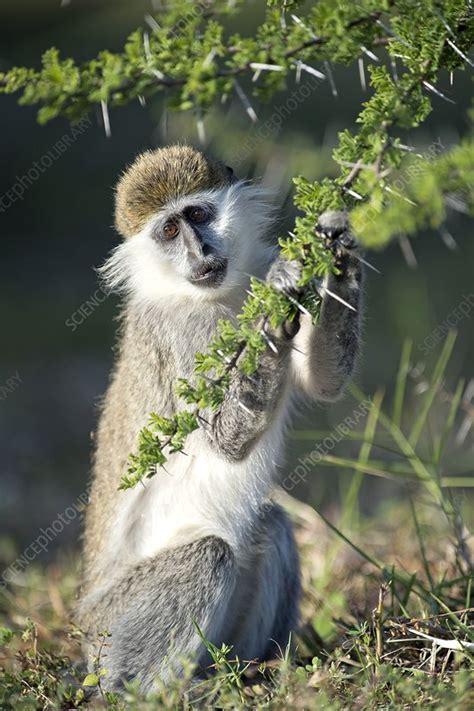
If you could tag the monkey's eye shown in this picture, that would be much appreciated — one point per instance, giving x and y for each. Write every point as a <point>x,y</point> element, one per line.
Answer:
<point>198,215</point>
<point>170,230</point>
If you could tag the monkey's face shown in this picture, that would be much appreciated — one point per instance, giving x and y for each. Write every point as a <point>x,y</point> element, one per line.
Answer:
<point>188,237</point>
<point>203,245</point>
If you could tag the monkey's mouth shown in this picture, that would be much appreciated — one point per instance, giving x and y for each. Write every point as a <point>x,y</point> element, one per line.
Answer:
<point>210,273</point>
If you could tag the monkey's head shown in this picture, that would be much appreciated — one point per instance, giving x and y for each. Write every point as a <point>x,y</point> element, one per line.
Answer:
<point>190,227</point>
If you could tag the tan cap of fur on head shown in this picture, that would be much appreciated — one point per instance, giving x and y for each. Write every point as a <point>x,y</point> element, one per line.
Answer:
<point>158,176</point>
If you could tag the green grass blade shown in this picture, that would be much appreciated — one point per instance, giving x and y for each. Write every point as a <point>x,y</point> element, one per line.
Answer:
<point>441,440</point>
<point>430,394</point>
<point>402,374</point>
<point>374,468</point>
<point>457,482</point>
<point>408,451</point>
<point>349,513</point>
<point>421,544</point>
<point>407,580</point>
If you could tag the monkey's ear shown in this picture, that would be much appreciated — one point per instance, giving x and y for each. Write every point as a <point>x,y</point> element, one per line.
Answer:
<point>231,174</point>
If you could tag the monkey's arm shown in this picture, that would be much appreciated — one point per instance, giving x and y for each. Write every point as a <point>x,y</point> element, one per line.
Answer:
<point>251,402</point>
<point>324,355</point>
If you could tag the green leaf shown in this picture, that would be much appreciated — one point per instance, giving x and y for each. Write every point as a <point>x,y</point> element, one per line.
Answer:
<point>91,680</point>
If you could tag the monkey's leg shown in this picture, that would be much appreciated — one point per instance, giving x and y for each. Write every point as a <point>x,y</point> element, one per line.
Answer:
<point>152,610</point>
<point>273,582</point>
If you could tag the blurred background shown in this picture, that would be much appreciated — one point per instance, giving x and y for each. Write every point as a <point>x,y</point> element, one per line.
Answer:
<point>58,330</point>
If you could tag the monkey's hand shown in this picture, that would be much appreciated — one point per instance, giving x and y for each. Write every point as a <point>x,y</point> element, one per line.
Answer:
<point>335,229</point>
<point>284,275</point>
<point>329,348</point>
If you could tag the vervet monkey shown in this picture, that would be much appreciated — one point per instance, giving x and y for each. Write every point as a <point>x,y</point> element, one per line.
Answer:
<point>201,542</point>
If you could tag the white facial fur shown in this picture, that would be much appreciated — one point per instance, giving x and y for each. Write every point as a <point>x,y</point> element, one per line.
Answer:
<point>243,215</point>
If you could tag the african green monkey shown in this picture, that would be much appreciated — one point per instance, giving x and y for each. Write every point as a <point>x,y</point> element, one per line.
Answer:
<point>202,542</point>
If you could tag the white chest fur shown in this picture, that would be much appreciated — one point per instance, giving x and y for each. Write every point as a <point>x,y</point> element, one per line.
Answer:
<point>199,494</point>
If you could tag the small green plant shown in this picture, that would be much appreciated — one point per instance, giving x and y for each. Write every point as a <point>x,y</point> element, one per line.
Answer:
<point>41,678</point>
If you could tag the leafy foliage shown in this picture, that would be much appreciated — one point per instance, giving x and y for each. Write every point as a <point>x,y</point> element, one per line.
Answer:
<point>188,56</point>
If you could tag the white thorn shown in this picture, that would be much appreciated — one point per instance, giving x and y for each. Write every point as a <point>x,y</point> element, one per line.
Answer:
<point>312,70</point>
<point>351,164</point>
<point>407,251</point>
<point>244,99</point>
<point>389,31</point>
<point>397,194</point>
<point>354,194</point>
<point>106,118</point>
<point>223,356</point>
<point>337,297</point>
<point>409,149</point>
<point>447,238</point>
<point>436,91</point>
<point>152,23</point>
<point>363,83</point>
<point>297,304</point>
<point>269,341</point>
<point>331,78</point>
<point>300,22</point>
<point>266,67</point>
<point>459,52</point>
<point>457,204</point>
<point>369,53</point>
<point>393,64</point>
<point>201,131</point>
<point>298,71</point>
<point>354,255</point>
<point>146,46</point>
<point>245,408</point>
<point>210,57</point>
